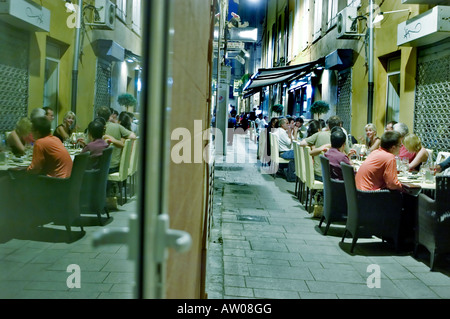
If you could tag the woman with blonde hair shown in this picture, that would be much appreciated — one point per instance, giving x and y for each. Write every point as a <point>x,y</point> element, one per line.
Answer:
<point>415,152</point>
<point>20,138</point>
<point>64,131</point>
<point>372,141</point>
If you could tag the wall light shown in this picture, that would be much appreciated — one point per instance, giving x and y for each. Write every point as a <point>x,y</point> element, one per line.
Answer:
<point>70,6</point>
<point>380,16</point>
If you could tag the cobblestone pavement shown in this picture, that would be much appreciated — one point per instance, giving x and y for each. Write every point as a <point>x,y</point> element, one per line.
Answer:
<point>263,244</point>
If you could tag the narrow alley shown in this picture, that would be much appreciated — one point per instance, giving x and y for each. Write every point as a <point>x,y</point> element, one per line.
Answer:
<point>265,245</point>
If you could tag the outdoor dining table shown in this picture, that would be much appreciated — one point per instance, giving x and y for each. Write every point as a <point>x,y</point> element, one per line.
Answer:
<point>410,178</point>
<point>12,161</point>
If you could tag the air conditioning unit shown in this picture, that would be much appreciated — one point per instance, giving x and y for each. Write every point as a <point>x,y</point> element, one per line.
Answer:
<point>106,18</point>
<point>344,23</point>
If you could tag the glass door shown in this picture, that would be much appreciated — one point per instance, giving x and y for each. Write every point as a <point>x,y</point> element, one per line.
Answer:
<point>118,253</point>
<point>393,97</point>
<point>51,83</point>
<point>393,90</point>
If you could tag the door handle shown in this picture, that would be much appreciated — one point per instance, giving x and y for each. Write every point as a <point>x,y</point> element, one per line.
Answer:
<point>179,240</point>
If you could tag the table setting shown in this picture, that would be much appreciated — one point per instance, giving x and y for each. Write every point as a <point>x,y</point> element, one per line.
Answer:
<point>425,178</point>
<point>9,160</point>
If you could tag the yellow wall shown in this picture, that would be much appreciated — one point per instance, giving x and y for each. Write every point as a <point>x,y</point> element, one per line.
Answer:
<point>385,46</point>
<point>62,34</point>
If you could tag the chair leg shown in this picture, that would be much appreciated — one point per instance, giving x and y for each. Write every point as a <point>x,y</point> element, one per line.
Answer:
<point>125,191</point>
<point>296,185</point>
<point>310,201</point>
<point>106,210</point>
<point>433,256</point>
<point>121,192</point>
<point>321,220</point>
<point>306,198</point>
<point>69,232</point>
<point>99,217</point>
<point>353,244</point>
<point>344,235</point>
<point>327,228</point>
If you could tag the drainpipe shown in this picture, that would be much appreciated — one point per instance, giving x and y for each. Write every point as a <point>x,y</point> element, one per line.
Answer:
<point>76,57</point>
<point>370,71</point>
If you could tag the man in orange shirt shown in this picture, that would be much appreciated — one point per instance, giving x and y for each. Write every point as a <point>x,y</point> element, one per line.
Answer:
<point>379,170</point>
<point>50,157</point>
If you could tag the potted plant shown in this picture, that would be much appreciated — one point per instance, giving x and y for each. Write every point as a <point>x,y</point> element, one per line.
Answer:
<point>319,107</point>
<point>128,101</point>
<point>277,109</point>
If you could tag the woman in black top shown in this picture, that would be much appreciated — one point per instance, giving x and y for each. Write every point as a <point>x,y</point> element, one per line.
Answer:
<point>65,130</point>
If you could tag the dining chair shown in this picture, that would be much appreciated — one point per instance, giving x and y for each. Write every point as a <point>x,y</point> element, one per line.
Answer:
<point>302,173</point>
<point>312,185</point>
<point>275,159</point>
<point>371,213</point>
<point>58,199</point>
<point>433,224</point>
<point>121,177</point>
<point>298,182</point>
<point>132,169</point>
<point>262,149</point>
<point>93,191</point>
<point>334,199</point>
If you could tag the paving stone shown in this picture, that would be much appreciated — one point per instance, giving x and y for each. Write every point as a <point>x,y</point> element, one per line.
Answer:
<point>275,294</point>
<point>414,288</point>
<point>238,292</point>
<point>337,275</point>
<point>340,288</point>
<point>276,284</point>
<point>270,271</point>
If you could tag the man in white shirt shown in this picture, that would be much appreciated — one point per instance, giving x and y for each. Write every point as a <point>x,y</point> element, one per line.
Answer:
<point>285,136</point>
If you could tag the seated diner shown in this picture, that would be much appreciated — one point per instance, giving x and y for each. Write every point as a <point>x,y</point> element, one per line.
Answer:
<point>20,138</point>
<point>379,170</point>
<point>415,152</point>
<point>50,157</point>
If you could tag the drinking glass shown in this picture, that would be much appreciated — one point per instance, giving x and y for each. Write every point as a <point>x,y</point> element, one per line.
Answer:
<point>423,171</point>
<point>404,168</point>
<point>431,171</point>
<point>398,162</point>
